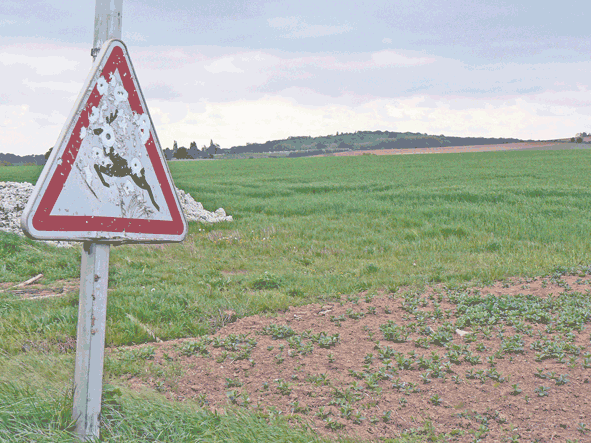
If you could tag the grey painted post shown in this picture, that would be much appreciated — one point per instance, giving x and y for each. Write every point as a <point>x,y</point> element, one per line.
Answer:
<point>94,280</point>
<point>107,23</point>
<point>90,345</point>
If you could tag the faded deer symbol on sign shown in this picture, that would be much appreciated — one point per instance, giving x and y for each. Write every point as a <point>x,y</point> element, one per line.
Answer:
<point>110,163</point>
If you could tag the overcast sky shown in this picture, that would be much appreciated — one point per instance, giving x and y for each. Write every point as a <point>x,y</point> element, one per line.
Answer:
<point>239,71</point>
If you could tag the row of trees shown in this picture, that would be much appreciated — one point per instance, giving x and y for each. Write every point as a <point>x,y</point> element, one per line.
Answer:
<point>307,145</point>
<point>13,159</point>
<point>182,153</point>
<point>193,152</point>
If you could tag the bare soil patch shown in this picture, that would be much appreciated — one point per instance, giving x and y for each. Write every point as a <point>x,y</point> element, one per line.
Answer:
<point>340,368</point>
<point>460,149</point>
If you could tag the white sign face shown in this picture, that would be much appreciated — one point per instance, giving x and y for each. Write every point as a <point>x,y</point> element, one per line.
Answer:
<point>109,167</point>
<point>107,179</point>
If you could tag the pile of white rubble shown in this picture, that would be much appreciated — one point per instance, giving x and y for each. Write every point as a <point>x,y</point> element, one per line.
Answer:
<point>14,197</point>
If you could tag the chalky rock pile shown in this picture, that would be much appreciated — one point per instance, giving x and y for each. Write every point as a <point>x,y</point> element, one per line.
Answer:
<point>194,210</point>
<point>14,197</point>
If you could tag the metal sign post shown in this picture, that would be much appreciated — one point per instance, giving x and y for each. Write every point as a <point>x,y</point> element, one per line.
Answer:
<point>107,23</point>
<point>94,281</point>
<point>105,182</point>
<point>90,343</point>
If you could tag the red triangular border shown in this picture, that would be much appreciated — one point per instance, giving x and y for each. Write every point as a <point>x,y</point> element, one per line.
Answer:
<point>44,222</point>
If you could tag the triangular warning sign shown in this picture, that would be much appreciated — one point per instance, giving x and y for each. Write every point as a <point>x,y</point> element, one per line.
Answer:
<point>107,179</point>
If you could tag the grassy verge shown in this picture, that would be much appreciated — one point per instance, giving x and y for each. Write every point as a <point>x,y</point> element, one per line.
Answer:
<point>35,407</point>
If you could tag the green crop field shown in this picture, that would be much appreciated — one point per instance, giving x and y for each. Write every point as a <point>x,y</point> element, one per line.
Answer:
<point>305,230</point>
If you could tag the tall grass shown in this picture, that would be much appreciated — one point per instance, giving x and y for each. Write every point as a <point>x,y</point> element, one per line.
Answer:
<point>315,228</point>
<point>36,406</point>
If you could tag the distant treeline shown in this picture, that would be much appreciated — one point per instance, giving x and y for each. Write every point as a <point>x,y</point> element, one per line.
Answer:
<point>305,145</point>
<point>12,159</point>
<point>193,153</point>
<point>362,141</point>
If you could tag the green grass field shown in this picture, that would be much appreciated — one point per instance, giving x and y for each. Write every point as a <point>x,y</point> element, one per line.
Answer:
<point>304,230</point>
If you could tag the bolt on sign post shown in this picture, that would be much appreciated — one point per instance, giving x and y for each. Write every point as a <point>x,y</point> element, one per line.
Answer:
<point>105,183</point>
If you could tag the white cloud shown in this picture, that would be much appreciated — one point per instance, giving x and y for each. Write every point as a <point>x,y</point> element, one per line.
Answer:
<point>71,87</point>
<point>283,22</point>
<point>381,59</point>
<point>391,58</point>
<point>177,54</point>
<point>317,31</point>
<point>133,36</point>
<point>282,115</point>
<point>253,56</point>
<point>43,65</point>
<point>223,65</point>
<point>279,95</point>
<point>564,99</point>
<point>167,113</point>
<point>517,117</point>
<point>300,29</point>
<point>24,132</point>
<point>387,40</point>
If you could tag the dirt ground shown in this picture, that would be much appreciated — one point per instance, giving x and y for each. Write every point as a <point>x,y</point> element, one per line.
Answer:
<point>460,149</point>
<point>334,388</point>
